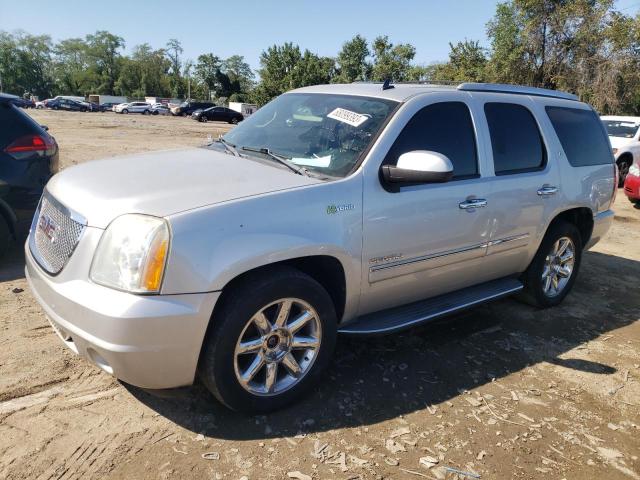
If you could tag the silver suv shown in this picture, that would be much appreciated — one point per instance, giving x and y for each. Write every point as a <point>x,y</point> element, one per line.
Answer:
<point>356,209</point>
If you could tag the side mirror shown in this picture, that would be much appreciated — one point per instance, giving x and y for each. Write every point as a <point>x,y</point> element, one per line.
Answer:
<point>418,167</point>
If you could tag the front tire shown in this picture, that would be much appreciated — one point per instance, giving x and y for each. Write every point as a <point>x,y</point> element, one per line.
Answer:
<point>204,119</point>
<point>125,111</point>
<point>554,269</point>
<point>270,341</point>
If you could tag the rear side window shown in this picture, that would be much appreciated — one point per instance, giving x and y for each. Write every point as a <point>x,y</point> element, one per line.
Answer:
<point>515,139</point>
<point>444,128</point>
<point>15,123</point>
<point>581,135</point>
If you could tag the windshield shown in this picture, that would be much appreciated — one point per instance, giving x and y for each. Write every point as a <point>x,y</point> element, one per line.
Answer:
<point>617,128</point>
<point>320,132</point>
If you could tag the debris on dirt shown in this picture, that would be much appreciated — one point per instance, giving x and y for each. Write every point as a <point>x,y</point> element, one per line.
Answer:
<point>298,475</point>
<point>400,431</point>
<point>428,462</point>
<point>211,456</point>
<point>460,472</point>
<point>481,455</point>
<point>18,290</point>
<point>394,447</point>
<point>394,462</point>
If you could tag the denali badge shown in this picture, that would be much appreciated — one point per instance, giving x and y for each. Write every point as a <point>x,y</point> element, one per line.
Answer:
<point>48,227</point>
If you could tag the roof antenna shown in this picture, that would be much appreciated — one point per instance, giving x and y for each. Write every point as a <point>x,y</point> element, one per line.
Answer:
<point>387,84</point>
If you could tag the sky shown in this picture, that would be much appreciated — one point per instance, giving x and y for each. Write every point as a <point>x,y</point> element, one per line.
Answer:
<point>247,27</point>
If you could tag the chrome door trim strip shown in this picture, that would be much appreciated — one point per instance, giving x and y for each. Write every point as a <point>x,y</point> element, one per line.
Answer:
<point>424,258</point>
<point>508,239</point>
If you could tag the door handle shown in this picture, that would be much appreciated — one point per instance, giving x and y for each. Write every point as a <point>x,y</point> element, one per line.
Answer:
<point>547,190</point>
<point>473,203</point>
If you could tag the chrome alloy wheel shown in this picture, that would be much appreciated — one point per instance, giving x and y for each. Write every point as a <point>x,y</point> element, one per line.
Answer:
<point>277,347</point>
<point>558,267</point>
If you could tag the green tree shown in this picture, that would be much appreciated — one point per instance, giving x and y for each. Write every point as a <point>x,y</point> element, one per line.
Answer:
<point>144,73</point>
<point>25,64</point>
<point>71,67</point>
<point>103,52</point>
<point>174,51</point>
<point>467,63</point>
<point>391,61</point>
<point>352,64</point>
<point>239,72</point>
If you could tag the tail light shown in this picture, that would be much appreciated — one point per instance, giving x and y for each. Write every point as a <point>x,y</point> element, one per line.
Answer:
<point>31,145</point>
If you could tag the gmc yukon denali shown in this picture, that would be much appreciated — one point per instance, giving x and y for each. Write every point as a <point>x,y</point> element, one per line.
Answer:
<point>355,209</point>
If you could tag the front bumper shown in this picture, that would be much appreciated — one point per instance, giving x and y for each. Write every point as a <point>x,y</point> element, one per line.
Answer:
<point>601,224</point>
<point>147,341</point>
<point>632,187</point>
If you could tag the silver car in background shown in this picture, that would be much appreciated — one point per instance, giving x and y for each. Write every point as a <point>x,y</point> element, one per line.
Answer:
<point>356,209</point>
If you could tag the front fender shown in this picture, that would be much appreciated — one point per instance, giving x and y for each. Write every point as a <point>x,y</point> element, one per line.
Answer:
<point>213,245</point>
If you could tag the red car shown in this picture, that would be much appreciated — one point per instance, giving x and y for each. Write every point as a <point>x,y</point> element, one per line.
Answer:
<point>632,184</point>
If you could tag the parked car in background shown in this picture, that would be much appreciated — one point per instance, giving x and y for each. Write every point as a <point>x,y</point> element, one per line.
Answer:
<point>24,102</point>
<point>217,114</point>
<point>160,109</point>
<point>359,209</point>
<point>28,157</point>
<point>624,135</point>
<point>108,106</point>
<point>133,107</point>
<point>42,104</point>
<point>68,104</point>
<point>187,108</point>
<point>632,184</point>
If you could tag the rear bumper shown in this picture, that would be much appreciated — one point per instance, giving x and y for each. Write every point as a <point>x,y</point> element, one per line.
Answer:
<point>632,187</point>
<point>601,224</point>
<point>147,341</point>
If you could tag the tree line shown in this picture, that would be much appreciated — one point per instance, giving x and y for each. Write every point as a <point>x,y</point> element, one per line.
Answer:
<point>582,46</point>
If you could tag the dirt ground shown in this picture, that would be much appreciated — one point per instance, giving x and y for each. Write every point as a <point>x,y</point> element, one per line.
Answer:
<point>502,391</point>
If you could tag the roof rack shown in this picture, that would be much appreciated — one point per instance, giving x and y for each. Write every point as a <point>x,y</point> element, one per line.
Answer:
<point>516,89</point>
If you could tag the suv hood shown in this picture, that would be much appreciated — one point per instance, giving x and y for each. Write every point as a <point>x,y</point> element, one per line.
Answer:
<point>163,183</point>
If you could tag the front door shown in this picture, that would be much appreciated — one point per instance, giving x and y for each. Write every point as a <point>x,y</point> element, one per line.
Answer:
<point>427,239</point>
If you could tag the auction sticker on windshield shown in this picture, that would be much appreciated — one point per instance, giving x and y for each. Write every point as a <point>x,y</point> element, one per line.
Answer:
<point>346,116</point>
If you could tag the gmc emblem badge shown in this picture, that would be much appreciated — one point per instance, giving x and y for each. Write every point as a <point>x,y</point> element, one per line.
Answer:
<point>47,226</point>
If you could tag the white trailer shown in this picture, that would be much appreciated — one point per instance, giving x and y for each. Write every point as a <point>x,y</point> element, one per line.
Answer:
<point>246,109</point>
<point>100,99</point>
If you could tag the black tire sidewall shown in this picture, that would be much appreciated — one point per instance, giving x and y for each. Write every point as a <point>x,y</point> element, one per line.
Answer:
<point>534,288</point>
<point>5,236</point>
<point>217,365</point>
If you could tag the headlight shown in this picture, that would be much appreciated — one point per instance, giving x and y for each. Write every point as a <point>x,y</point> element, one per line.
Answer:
<point>634,170</point>
<point>132,254</point>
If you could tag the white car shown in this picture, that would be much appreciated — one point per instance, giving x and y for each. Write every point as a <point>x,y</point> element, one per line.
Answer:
<point>160,109</point>
<point>624,134</point>
<point>133,107</point>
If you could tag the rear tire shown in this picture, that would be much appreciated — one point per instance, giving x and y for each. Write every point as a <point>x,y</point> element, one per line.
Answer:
<point>623,169</point>
<point>225,362</point>
<point>5,237</point>
<point>554,268</point>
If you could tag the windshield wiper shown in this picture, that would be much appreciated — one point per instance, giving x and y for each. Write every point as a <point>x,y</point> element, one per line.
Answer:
<point>280,159</point>
<point>229,146</point>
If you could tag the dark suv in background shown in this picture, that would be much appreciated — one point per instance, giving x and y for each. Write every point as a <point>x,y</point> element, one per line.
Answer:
<point>28,158</point>
<point>187,108</point>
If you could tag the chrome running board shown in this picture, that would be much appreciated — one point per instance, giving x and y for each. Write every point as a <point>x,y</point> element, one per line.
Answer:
<point>405,316</point>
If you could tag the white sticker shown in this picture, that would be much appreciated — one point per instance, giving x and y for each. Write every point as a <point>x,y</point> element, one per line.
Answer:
<point>322,162</point>
<point>346,116</point>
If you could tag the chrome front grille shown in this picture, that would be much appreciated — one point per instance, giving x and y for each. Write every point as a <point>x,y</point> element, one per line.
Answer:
<point>55,233</point>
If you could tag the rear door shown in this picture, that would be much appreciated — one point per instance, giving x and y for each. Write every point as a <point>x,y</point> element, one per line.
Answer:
<point>525,179</point>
